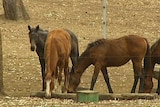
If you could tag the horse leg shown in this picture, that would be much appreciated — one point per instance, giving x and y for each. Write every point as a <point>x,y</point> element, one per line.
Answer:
<point>137,66</point>
<point>106,78</point>
<point>95,75</point>
<point>42,63</point>
<point>66,74</point>
<point>158,78</point>
<point>158,87</point>
<point>48,94</point>
<point>135,83</point>
<point>60,80</point>
<point>49,85</point>
<point>56,84</point>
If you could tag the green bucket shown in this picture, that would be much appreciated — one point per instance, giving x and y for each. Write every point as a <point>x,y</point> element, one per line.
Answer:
<point>86,96</point>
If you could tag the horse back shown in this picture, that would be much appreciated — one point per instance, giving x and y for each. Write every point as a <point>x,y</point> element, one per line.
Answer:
<point>74,43</point>
<point>116,52</point>
<point>131,45</point>
<point>57,47</point>
<point>136,45</point>
<point>61,41</point>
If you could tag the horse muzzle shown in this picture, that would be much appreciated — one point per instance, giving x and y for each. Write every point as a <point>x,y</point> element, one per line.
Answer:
<point>69,90</point>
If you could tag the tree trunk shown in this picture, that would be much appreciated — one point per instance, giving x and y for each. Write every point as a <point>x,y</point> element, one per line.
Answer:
<point>14,10</point>
<point>1,67</point>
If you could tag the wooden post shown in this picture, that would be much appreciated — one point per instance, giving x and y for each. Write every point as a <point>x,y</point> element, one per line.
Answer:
<point>1,67</point>
<point>104,18</point>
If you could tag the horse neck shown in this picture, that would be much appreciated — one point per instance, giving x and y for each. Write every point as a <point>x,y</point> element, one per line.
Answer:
<point>42,39</point>
<point>82,65</point>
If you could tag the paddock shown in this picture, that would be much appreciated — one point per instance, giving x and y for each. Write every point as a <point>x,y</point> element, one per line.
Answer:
<point>21,69</point>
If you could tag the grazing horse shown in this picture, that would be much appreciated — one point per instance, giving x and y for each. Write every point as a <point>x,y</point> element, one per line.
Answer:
<point>105,53</point>
<point>38,37</point>
<point>57,52</point>
<point>155,59</point>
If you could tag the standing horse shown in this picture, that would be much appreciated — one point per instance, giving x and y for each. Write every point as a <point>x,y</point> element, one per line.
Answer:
<point>57,51</point>
<point>38,37</point>
<point>155,59</point>
<point>112,53</point>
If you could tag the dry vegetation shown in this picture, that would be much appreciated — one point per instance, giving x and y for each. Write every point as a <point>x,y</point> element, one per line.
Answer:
<point>21,66</point>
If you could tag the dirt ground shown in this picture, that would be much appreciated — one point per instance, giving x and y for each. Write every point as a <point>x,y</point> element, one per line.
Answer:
<point>21,66</point>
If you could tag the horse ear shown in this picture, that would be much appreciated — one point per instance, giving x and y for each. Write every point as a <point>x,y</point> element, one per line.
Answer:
<point>37,28</point>
<point>29,28</point>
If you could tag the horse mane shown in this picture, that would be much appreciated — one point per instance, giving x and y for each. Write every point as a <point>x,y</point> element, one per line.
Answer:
<point>90,45</point>
<point>95,43</point>
<point>155,45</point>
<point>42,31</point>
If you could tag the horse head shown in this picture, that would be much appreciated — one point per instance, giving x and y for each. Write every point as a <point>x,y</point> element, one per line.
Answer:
<point>74,80</point>
<point>33,36</point>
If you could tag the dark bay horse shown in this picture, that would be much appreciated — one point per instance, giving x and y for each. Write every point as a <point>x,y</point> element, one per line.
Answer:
<point>37,39</point>
<point>155,59</point>
<point>105,53</point>
<point>57,52</point>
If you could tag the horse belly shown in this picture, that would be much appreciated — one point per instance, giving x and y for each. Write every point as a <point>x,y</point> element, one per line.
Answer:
<point>117,61</point>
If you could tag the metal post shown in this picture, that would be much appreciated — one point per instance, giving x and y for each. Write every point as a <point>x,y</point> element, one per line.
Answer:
<point>104,18</point>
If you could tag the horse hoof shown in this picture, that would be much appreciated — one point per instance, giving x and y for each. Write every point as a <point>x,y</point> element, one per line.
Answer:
<point>70,91</point>
<point>157,92</point>
<point>65,92</point>
<point>48,96</point>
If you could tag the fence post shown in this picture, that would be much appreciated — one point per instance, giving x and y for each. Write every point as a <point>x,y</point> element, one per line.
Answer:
<point>104,18</point>
<point>1,67</point>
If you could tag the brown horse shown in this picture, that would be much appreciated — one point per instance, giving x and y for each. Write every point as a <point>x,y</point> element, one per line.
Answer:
<point>57,52</point>
<point>113,53</point>
<point>155,59</point>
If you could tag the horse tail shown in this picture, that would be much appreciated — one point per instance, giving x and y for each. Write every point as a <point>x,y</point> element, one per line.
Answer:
<point>147,58</point>
<point>148,71</point>
<point>47,52</point>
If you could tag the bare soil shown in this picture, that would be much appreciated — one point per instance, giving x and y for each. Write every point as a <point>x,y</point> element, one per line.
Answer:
<point>21,66</point>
